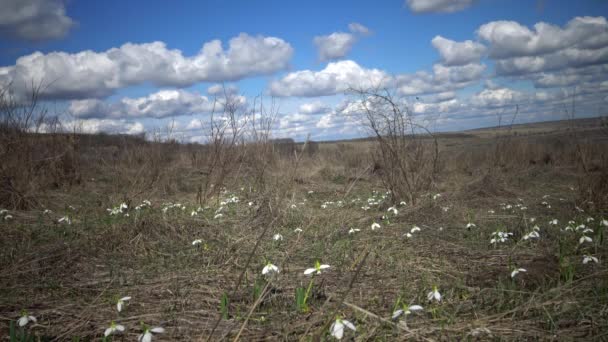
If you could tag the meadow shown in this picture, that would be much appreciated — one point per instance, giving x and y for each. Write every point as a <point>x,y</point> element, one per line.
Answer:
<point>117,237</point>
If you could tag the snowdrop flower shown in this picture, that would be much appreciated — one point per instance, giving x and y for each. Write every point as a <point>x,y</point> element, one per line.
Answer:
<point>47,211</point>
<point>517,271</point>
<point>587,258</point>
<point>590,219</point>
<point>604,223</point>
<point>554,222</point>
<point>310,192</point>
<point>375,225</point>
<point>445,209</point>
<point>65,219</point>
<point>402,203</point>
<point>317,269</point>
<point>406,310</point>
<point>353,230</point>
<point>297,230</point>
<point>293,206</point>
<point>277,237</point>
<point>337,328</point>
<point>270,269</point>
<point>470,225</point>
<point>532,235</point>
<point>587,230</point>
<point>434,294</point>
<point>584,239</point>
<point>408,235</point>
<point>121,302</point>
<point>194,213</point>
<point>25,319</point>
<point>250,204</point>
<point>491,211</point>
<point>113,329</point>
<point>218,216</point>
<point>436,196</point>
<point>579,209</point>
<point>8,217</point>
<point>366,208</point>
<point>415,229</point>
<point>394,210</point>
<point>147,335</point>
<point>197,242</point>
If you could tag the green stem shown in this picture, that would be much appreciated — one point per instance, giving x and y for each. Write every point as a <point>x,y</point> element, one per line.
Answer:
<point>308,290</point>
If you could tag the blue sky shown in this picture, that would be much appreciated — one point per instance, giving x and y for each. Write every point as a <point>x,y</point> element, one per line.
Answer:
<point>454,63</point>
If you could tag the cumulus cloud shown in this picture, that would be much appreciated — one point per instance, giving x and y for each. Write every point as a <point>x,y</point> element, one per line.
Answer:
<point>93,126</point>
<point>162,104</point>
<point>337,77</point>
<point>90,74</point>
<point>518,50</point>
<point>315,107</point>
<point>496,97</point>
<point>338,44</point>
<point>34,20</point>
<point>442,79</point>
<point>458,53</point>
<point>438,6</point>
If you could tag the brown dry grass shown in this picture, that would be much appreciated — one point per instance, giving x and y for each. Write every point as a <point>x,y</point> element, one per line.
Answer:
<point>68,276</point>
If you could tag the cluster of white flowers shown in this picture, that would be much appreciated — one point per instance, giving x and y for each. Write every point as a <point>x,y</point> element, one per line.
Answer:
<point>4,214</point>
<point>144,204</point>
<point>120,209</point>
<point>534,234</point>
<point>500,237</point>
<point>169,205</point>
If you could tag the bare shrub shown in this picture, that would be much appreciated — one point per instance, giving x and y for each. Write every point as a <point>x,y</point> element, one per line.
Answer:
<point>407,152</point>
<point>32,162</point>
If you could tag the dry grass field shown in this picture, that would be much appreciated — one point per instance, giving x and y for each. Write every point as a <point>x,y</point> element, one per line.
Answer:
<point>185,231</point>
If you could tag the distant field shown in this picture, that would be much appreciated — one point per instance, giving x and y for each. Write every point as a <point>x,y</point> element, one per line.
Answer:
<point>507,234</point>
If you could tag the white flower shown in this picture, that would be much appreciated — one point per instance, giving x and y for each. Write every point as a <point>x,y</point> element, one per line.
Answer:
<point>587,258</point>
<point>402,203</point>
<point>121,302</point>
<point>554,222</point>
<point>434,294</point>
<point>277,237</point>
<point>353,230</point>
<point>65,219</point>
<point>517,271</point>
<point>491,211</point>
<point>584,239</point>
<point>250,204</point>
<point>297,230</point>
<point>114,328</point>
<point>590,219</point>
<point>270,269</point>
<point>415,229</point>
<point>293,206</point>
<point>337,328</point>
<point>604,223</point>
<point>445,209</point>
<point>310,192</point>
<point>317,269</point>
<point>470,225</point>
<point>147,335</point>
<point>436,196</point>
<point>8,217</point>
<point>47,211</point>
<point>193,213</point>
<point>375,225</point>
<point>25,319</point>
<point>532,235</point>
<point>406,310</point>
<point>197,242</point>
<point>218,216</point>
<point>394,210</point>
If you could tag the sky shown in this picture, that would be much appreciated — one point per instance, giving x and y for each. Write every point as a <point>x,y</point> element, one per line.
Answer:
<point>164,66</point>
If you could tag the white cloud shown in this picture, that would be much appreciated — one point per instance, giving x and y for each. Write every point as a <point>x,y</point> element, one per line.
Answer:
<point>89,74</point>
<point>497,97</point>
<point>93,126</point>
<point>458,53</point>
<point>443,79</point>
<point>338,44</point>
<point>436,6</point>
<point>337,77</point>
<point>335,45</point>
<point>358,28</point>
<point>162,104</point>
<point>315,107</point>
<point>34,20</point>
<point>221,89</point>
<point>510,39</point>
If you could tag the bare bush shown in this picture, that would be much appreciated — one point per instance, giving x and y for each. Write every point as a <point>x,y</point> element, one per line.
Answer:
<point>407,152</point>
<point>31,162</point>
